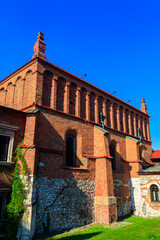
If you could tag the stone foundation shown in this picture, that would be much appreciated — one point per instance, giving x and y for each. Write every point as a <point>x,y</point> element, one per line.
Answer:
<point>27,227</point>
<point>64,205</point>
<point>149,208</point>
<point>136,199</point>
<point>123,198</point>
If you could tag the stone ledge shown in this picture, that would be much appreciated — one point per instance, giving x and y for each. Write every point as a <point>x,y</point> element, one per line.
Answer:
<point>105,200</point>
<point>75,168</point>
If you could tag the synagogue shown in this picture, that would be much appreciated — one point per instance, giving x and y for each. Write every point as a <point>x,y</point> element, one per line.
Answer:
<point>89,153</point>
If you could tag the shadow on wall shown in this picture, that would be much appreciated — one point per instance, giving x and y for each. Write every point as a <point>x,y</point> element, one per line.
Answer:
<point>65,197</point>
<point>121,175</point>
<point>132,196</point>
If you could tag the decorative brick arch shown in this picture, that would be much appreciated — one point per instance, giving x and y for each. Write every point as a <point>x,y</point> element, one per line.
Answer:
<point>61,82</point>
<point>127,120</point>
<point>83,102</point>
<point>47,87</point>
<point>9,95</point>
<point>137,121</point>
<point>27,89</point>
<point>132,122</point>
<point>2,96</point>
<point>18,93</point>
<point>72,98</point>
<point>92,106</point>
<point>108,112</point>
<point>121,118</point>
<point>141,127</point>
<point>115,123</point>
<point>145,123</point>
<point>100,105</point>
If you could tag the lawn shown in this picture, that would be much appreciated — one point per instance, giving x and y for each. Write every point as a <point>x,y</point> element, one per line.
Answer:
<point>141,229</point>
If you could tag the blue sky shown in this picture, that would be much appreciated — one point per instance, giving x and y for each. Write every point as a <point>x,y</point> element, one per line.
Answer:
<point>116,43</point>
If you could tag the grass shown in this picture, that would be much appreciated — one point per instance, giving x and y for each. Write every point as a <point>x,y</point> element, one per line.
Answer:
<point>142,229</point>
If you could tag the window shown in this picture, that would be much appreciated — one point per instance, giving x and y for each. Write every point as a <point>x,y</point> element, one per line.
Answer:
<point>4,200</point>
<point>6,143</point>
<point>112,151</point>
<point>70,151</point>
<point>154,191</point>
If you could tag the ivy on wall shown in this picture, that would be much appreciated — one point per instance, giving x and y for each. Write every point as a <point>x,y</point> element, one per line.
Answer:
<point>20,187</point>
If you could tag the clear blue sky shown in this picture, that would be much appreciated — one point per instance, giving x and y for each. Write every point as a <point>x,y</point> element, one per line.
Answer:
<point>116,43</point>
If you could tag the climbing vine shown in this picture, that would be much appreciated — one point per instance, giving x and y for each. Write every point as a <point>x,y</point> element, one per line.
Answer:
<point>20,186</point>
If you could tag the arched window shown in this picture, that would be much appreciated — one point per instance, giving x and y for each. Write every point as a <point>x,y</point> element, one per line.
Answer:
<point>70,151</point>
<point>154,190</point>
<point>112,151</point>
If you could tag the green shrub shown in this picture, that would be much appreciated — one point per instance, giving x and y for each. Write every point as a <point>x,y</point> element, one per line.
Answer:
<point>20,185</point>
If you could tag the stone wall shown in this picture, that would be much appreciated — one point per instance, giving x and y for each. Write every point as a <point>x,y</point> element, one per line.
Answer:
<point>123,197</point>
<point>64,204</point>
<point>149,208</point>
<point>26,229</point>
<point>136,200</point>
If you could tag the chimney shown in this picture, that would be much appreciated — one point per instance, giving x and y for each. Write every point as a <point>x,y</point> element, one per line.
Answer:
<point>39,47</point>
<point>143,106</point>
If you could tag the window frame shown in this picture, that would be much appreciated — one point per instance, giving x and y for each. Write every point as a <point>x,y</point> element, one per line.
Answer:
<point>157,200</point>
<point>74,151</point>
<point>8,131</point>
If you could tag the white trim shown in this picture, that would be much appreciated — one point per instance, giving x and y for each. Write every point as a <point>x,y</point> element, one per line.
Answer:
<point>151,183</point>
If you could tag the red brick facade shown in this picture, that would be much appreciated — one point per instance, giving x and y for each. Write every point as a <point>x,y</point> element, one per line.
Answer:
<point>57,104</point>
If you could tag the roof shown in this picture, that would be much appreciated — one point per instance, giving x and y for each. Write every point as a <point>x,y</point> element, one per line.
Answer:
<point>94,157</point>
<point>155,154</point>
<point>152,169</point>
<point>131,161</point>
<point>4,108</point>
<point>32,111</point>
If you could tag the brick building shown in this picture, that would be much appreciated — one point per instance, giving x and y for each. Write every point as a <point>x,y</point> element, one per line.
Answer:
<point>86,148</point>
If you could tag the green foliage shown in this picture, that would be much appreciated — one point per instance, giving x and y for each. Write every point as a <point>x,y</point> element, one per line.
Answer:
<point>141,229</point>
<point>20,186</point>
